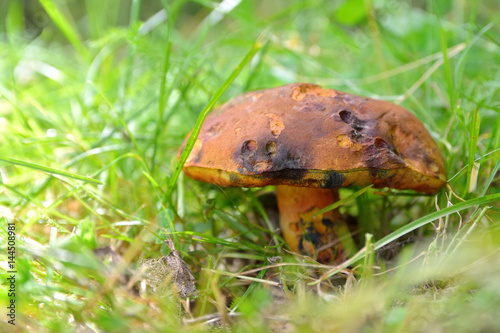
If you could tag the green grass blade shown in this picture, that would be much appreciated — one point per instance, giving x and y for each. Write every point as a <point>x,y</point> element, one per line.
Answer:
<point>249,291</point>
<point>490,179</point>
<point>366,220</point>
<point>50,170</point>
<point>215,240</point>
<point>125,126</point>
<point>163,95</point>
<point>486,157</point>
<point>134,17</point>
<point>15,20</point>
<point>459,69</point>
<point>197,127</point>
<point>63,24</point>
<point>447,69</point>
<point>257,204</point>
<point>343,201</point>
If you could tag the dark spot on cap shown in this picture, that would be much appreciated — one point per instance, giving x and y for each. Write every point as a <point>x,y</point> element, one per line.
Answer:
<point>197,157</point>
<point>286,158</point>
<point>286,174</point>
<point>215,129</point>
<point>427,159</point>
<point>358,137</point>
<point>319,107</point>
<point>271,149</point>
<point>334,180</point>
<point>264,158</point>
<point>248,147</point>
<point>313,107</point>
<point>353,99</point>
<point>349,118</point>
<point>346,116</point>
<point>381,144</point>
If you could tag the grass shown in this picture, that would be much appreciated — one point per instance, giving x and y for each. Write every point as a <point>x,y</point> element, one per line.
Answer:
<point>96,98</point>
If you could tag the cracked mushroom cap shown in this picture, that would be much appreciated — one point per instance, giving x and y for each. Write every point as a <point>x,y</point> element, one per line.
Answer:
<point>303,135</point>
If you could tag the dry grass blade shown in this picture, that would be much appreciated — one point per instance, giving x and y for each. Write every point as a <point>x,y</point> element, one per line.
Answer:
<point>243,277</point>
<point>412,65</point>
<point>459,48</point>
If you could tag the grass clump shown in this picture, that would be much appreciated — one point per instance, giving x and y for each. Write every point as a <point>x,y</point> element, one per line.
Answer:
<point>96,97</point>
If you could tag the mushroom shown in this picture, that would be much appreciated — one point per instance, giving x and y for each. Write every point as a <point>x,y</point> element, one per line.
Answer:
<point>309,141</point>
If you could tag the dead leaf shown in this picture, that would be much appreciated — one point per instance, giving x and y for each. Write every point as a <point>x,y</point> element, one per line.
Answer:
<point>182,277</point>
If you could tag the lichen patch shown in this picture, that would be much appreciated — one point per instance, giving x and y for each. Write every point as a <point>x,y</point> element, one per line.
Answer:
<point>433,167</point>
<point>262,167</point>
<point>237,128</point>
<point>300,92</point>
<point>344,141</point>
<point>275,124</point>
<point>255,97</point>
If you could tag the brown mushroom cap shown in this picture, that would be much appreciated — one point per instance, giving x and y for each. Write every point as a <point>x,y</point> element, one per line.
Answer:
<point>303,135</point>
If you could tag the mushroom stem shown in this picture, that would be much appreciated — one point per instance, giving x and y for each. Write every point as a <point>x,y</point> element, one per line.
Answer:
<point>305,234</point>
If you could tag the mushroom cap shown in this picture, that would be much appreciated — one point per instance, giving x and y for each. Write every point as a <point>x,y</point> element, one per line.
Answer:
<point>303,135</point>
